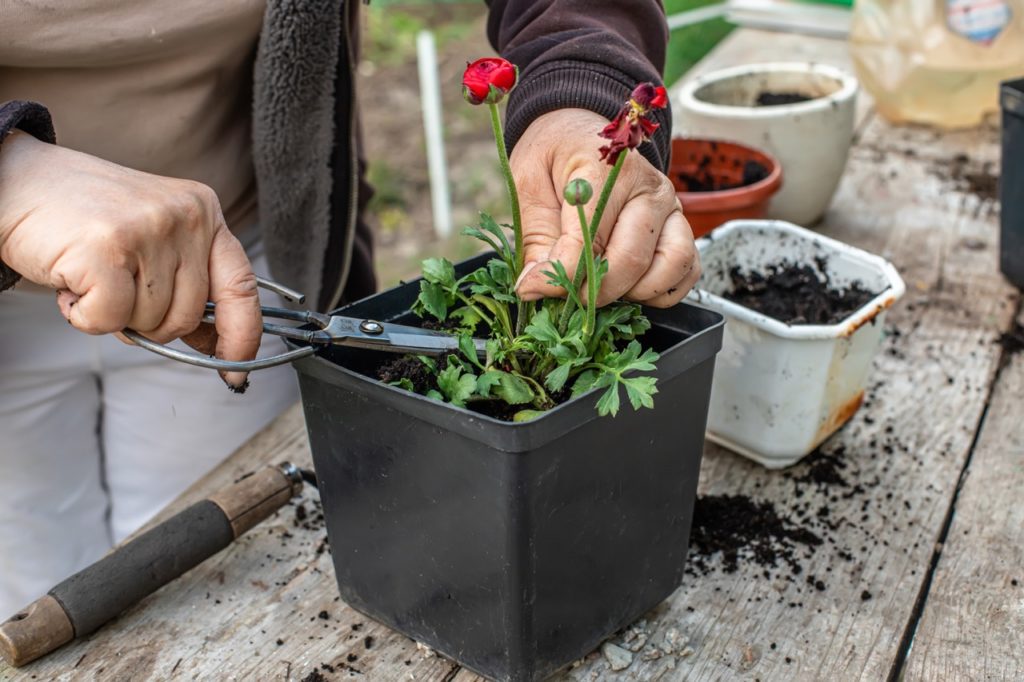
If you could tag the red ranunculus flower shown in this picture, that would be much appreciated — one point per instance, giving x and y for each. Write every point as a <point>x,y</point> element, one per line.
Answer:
<point>632,127</point>
<point>488,80</point>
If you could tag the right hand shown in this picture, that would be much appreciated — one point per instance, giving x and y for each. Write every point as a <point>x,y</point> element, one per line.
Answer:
<point>126,249</point>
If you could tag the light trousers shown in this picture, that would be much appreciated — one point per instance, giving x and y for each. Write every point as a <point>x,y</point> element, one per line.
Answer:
<point>97,436</point>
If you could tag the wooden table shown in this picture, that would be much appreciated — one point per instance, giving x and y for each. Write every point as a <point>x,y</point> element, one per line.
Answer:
<point>932,586</point>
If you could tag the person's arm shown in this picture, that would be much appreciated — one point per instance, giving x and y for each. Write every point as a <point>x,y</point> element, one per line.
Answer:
<point>123,249</point>
<point>34,119</point>
<point>579,62</point>
<point>582,54</point>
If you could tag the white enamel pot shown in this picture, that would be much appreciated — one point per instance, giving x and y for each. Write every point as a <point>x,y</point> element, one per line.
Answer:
<point>810,139</point>
<point>779,390</point>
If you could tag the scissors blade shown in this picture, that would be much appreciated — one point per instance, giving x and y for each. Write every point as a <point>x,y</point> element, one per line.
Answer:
<point>395,338</point>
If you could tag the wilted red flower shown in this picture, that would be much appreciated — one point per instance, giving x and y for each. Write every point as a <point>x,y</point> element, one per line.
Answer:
<point>488,80</point>
<point>631,126</point>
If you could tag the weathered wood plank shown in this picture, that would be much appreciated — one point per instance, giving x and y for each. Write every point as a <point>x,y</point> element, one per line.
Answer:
<point>972,627</point>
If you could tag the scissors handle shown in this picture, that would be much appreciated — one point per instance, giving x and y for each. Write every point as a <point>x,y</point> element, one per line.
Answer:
<point>247,365</point>
<point>319,330</point>
<point>216,363</point>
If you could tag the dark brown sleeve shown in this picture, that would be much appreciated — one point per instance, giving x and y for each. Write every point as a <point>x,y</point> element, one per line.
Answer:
<point>34,119</point>
<point>587,54</point>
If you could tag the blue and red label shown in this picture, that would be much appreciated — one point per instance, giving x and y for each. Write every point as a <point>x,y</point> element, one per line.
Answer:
<point>980,21</point>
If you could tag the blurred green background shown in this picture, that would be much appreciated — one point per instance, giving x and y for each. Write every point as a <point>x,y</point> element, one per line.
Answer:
<point>686,47</point>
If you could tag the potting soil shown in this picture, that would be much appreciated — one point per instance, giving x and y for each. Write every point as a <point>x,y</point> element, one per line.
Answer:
<point>706,179</point>
<point>796,294</point>
<point>774,99</point>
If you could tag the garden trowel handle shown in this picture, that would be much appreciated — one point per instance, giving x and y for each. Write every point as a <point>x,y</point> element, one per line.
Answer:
<point>85,601</point>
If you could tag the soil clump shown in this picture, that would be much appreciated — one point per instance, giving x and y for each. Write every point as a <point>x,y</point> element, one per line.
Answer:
<point>710,179</point>
<point>796,294</point>
<point>774,99</point>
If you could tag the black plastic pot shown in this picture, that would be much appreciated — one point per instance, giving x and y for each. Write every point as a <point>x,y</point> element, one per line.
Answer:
<point>514,549</point>
<point>1011,184</point>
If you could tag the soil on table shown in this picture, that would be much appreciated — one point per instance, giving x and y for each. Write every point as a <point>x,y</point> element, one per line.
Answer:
<point>796,294</point>
<point>708,178</point>
<point>1012,341</point>
<point>774,99</point>
<point>778,540</point>
<point>970,177</point>
<point>735,524</point>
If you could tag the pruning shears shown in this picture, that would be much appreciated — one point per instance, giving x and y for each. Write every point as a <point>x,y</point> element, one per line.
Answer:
<point>327,330</point>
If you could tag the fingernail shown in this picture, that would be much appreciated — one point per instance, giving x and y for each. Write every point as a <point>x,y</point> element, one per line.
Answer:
<point>527,267</point>
<point>237,382</point>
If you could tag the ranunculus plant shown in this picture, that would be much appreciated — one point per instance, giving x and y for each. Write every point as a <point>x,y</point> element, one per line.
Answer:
<point>540,353</point>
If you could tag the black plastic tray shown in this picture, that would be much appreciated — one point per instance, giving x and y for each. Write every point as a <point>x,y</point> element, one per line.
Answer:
<point>1011,184</point>
<point>514,549</point>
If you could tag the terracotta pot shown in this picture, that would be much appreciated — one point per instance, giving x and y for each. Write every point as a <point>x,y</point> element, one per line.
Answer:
<point>810,139</point>
<point>724,163</point>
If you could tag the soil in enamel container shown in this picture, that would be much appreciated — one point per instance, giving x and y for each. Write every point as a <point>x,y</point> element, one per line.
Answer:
<point>796,294</point>
<point>774,99</point>
<point>706,179</point>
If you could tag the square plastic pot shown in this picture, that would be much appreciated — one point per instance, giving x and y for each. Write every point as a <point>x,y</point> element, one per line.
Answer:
<point>1011,184</point>
<point>514,549</point>
<point>780,390</point>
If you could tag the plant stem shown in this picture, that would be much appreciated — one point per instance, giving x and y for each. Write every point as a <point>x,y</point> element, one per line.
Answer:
<point>588,248</point>
<point>595,221</point>
<point>513,198</point>
<point>513,195</point>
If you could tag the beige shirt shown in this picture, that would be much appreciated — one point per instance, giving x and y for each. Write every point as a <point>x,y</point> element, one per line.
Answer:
<point>162,86</point>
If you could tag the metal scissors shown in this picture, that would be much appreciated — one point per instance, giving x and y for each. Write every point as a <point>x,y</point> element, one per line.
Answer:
<point>328,330</point>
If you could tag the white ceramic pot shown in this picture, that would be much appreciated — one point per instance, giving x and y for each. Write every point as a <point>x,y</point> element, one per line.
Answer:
<point>779,390</point>
<point>811,139</point>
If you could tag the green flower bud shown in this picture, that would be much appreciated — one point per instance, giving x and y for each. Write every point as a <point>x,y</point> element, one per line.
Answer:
<point>578,192</point>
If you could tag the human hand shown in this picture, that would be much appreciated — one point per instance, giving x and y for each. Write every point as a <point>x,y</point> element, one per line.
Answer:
<point>643,234</point>
<point>126,249</point>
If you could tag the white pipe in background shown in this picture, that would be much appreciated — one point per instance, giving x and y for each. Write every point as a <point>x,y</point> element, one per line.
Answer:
<point>433,128</point>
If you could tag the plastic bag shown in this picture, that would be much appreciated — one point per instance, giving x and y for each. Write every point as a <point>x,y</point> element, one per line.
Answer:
<point>937,62</point>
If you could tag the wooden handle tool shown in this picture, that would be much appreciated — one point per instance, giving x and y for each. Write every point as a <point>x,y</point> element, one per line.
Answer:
<point>84,602</point>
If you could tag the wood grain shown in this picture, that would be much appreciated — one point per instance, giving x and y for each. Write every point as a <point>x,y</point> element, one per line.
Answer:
<point>972,627</point>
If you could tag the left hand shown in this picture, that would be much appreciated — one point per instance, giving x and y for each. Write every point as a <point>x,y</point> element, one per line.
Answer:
<point>648,243</point>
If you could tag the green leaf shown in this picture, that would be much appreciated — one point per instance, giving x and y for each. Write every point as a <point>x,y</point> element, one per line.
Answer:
<point>560,278</point>
<point>557,377</point>
<point>405,383</point>
<point>468,349</point>
<point>608,403</point>
<point>456,385</point>
<point>585,382</point>
<point>475,232</point>
<point>488,224</point>
<point>434,395</point>
<point>543,329</point>
<point>433,299</point>
<point>430,362</point>
<point>526,415</point>
<point>486,382</point>
<point>511,388</point>
<point>439,271</point>
<point>493,281</point>
<point>467,318</point>
<point>640,391</point>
